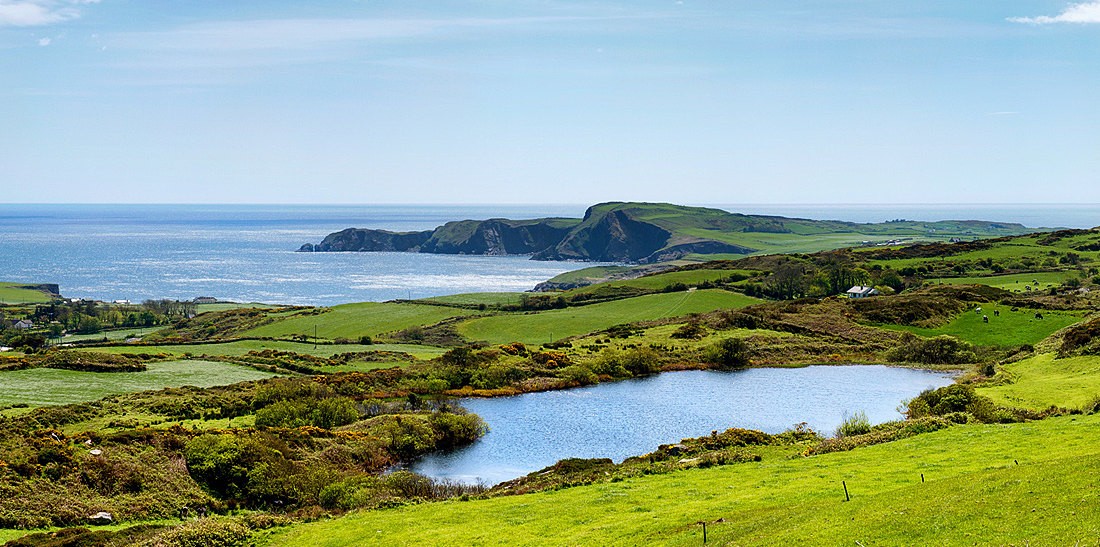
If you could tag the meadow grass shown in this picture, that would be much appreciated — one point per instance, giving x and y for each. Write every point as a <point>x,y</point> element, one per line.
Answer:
<point>1009,329</point>
<point>1011,282</point>
<point>975,493</point>
<point>659,281</point>
<point>1043,380</point>
<point>47,386</point>
<point>588,274</point>
<point>536,328</point>
<point>109,335</point>
<point>477,298</point>
<point>241,347</point>
<point>352,321</point>
<point>12,293</point>
<point>223,306</point>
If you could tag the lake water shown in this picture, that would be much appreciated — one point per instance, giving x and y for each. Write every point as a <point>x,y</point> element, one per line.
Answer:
<point>246,252</point>
<point>621,419</point>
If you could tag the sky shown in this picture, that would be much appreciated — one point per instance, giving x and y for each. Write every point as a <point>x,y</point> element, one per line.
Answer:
<point>549,101</point>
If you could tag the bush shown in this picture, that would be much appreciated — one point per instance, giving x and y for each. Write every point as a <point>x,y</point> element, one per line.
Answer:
<point>690,331</point>
<point>856,424</point>
<point>728,353</point>
<point>209,532</point>
<point>943,349</point>
<point>326,413</point>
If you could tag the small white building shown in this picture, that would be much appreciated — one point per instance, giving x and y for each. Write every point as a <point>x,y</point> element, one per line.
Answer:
<point>206,300</point>
<point>859,291</point>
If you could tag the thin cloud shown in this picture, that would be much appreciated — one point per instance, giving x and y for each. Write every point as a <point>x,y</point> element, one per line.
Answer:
<point>289,34</point>
<point>1083,13</point>
<point>36,13</point>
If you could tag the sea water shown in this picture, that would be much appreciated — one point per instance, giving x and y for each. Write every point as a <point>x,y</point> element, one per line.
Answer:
<point>246,253</point>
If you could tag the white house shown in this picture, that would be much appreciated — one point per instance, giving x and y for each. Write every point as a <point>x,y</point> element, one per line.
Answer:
<point>859,291</point>
<point>23,324</point>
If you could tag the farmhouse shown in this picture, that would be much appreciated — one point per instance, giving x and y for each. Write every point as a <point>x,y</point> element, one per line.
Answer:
<point>859,291</point>
<point>23,324</point>
<point>206,300</point>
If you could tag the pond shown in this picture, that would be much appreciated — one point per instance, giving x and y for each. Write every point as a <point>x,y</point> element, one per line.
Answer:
<point>621,419</point>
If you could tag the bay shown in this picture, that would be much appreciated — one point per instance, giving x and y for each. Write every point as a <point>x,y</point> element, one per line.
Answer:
<point>245,253</point>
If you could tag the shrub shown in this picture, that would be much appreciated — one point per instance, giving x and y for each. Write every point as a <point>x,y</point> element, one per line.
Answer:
<point>690,331</point>
<point>579,374</point>
<point>209,532</point>
<point>728,353</point>
<point>943,349</point>
<point>856,424</point>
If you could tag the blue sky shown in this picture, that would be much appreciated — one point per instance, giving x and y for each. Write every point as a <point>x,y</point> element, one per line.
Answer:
<point>527,101</point>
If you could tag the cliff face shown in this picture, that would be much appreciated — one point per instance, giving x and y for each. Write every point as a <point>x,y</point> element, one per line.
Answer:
<point>610,232</point>
<point>495,237</point>
<point>609,237</point>
<point>354,239</point>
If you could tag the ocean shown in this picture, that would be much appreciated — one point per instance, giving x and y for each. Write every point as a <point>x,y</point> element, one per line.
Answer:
<point>246,253</point>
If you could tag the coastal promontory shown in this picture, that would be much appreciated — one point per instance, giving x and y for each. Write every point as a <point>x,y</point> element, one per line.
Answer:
<point>651,232</point>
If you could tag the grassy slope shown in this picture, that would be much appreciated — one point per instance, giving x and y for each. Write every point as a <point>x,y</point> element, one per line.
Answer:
<point>355,320</point>
<point>557,324</point>
<point>975,494</point>
<point>11,293</point>
<point>473,299</point>
<point>1011,328</point>
<point>661,280</point>
<point>238,348</point>
<point>1042,381</point>
<point>44,386</point>
<point>1011,282</point>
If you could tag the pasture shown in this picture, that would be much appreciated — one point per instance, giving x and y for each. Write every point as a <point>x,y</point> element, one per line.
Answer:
<point>537,328</point>
<point>1029,483</point>
<point>1009,329</point>
<point>13,293</point>
<point>47,386</point>
<point>1011,282</point>
<point>1042,381</point>
<point>351,321</point>
<point>241,347</point>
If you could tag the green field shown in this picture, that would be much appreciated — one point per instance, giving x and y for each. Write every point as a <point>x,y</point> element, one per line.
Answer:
<point>573,321</point>
<point>1042,381</point>
<point>223,306</point>
<point>1009,329</point>
<point>975,493</point>
<point>590,274</point>
<point>474,299</point>
<point>659,281</point>
<point>241,347</point>
<point>13,293</point>
<point>354,320</point>
<point>46,386</point>
<point>110,335</point>
<point>1011,282</point>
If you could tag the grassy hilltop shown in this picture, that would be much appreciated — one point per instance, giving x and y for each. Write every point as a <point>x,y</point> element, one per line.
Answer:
<point>305,407</point>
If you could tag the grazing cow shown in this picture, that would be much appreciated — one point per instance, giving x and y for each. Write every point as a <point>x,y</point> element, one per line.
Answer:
<point>985,319</point>
<point>1038,315</point>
